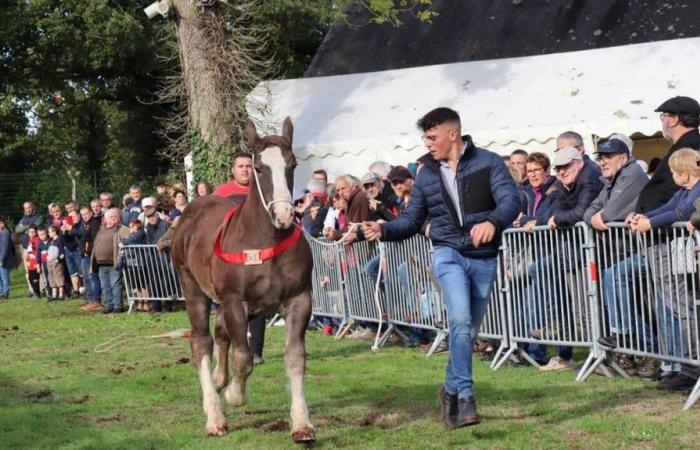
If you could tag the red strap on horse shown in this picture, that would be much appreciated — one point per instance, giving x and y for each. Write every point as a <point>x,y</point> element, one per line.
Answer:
<point>252,257</point>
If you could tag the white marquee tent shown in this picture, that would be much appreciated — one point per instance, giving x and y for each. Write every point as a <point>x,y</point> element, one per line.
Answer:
<point>343,123</point>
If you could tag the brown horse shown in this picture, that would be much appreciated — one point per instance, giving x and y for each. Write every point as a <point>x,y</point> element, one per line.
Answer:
<point>258,286</point>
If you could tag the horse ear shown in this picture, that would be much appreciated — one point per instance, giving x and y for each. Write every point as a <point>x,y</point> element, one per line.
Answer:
<point>288,130</point>
<point>251,132</point>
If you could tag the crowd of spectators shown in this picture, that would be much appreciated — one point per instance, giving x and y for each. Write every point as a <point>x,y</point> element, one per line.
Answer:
<point>558,193</point>
<point>76,250</point>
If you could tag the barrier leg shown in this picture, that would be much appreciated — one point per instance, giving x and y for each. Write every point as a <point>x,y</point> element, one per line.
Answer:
<point>513,348</point>
<point>274,319</point>
<point>387,334</point>
<point>526,356</point>
<point>500,350</point>
<point>342,325</point>
<point>342,331</point>
<point>441,335</point>
<point>131,306</point>
<point>693,397</point>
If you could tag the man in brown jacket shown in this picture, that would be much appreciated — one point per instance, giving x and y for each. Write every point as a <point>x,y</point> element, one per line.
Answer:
<point>103,261</point>
<point>358,210</point>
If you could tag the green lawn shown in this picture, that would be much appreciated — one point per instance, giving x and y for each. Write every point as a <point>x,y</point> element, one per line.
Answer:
<point>57,392</point>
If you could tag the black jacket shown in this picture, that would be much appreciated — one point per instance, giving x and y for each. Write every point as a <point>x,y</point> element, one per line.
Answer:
<point>570,205</point>
<point>661,187</point>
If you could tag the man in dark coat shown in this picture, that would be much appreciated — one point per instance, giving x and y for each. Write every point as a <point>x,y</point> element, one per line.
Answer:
<point>469,197</point>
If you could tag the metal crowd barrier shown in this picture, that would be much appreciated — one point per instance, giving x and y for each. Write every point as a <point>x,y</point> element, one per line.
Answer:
<point>495,324</point>
<point>548,290</point>
<point>412,293</point>
<point>328,291</point>
<point>649,295</point>
<point>359,285</point>
<point>149,275</point>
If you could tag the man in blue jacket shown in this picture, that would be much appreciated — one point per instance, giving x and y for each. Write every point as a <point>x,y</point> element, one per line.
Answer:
<point>469,198</point>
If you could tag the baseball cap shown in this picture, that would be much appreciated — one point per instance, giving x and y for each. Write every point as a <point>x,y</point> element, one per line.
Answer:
<point>612,146</point>
<point>565,156</point>
<point>680,105</point>
<point>400,174</point>
<point>370,177</point>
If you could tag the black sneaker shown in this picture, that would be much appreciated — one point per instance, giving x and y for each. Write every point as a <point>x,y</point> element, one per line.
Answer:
<point>676,383</point>
<point>466,414</point>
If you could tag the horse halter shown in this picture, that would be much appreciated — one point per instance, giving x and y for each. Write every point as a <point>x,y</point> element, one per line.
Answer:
<point>268,205</point>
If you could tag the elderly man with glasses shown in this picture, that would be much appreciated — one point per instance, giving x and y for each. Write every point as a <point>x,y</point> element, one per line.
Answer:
<point>578,186</point>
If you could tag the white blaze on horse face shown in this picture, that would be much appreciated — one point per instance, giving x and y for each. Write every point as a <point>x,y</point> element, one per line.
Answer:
<point>282,198</point>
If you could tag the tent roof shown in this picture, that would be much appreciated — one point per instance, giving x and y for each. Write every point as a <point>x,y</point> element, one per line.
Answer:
<point>471,30</point>
<point>503,103</point>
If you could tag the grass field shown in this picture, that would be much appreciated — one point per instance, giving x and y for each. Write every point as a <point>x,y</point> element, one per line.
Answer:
<point>57,392</point>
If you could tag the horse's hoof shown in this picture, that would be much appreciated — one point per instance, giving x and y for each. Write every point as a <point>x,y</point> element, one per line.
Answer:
<point>306,435</point>
<point>235,399</point>
<point>217,430</point>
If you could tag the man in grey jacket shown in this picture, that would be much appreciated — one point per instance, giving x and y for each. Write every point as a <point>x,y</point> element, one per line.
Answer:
<point>623,180</point>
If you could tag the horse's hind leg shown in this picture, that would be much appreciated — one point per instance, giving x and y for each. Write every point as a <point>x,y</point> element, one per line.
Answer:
<point>236,322</point>
<point>298,312</point>
<point>221,344</point>
<point>198,307</point>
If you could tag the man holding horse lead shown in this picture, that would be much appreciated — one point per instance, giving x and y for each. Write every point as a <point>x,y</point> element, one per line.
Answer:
<point>237,190</point>
<point>469,198</point>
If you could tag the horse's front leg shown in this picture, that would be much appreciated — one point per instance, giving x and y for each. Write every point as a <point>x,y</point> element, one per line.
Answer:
<point>236,323</point>
<point>298,312</point>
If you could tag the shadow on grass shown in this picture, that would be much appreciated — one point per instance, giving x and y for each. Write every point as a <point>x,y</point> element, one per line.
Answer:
<point>36,417</point>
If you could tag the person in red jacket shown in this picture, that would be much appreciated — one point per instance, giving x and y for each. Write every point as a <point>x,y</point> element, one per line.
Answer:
<point>242,171</point>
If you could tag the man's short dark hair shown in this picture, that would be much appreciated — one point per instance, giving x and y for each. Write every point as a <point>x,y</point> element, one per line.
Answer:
<point>520,152</point>
<point>505,158</point>
<point>689,121</point>
<point>436,117</point>
<point>240,155</point>
<point>321,172</point>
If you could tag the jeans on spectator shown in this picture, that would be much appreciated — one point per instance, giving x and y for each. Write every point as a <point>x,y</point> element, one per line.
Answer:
<point>111,284</point>
<point>547,277</point>
<point>466,284</point>
<point>73,261</point>
<point>4,281</point>
<point>619,281</point>
<point>91,281</point>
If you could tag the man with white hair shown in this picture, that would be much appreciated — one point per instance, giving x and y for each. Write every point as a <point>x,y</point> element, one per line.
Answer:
<point>348,188</point>
<point>381,168</point>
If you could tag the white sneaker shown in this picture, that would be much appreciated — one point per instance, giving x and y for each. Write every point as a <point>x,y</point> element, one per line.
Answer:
<point>557,363</point>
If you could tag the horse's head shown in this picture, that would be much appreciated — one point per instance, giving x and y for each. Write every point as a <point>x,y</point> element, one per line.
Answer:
<point>274,172</point>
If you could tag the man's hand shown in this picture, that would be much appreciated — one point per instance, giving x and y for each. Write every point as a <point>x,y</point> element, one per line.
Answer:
<point>516,222</point>
<point>597,221</point>
<point>374,204</point>
<point>482,233</point>
<point>372,231</point>
<point>551,223</point>
<point>350,237</point>
<point>629,218</point>
<point>689,226</point>
<point>640,224</point>
<point>529,226</point>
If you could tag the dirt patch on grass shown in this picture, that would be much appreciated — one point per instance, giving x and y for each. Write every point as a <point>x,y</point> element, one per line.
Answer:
<point>660,407</point>
<point>579,439</point>
<point>110,418</point>
<point>381,420</point>
<point>80,400</point>
<point>278,425</point>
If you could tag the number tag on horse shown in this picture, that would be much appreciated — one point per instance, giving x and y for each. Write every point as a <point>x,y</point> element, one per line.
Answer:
<point>252,257</point>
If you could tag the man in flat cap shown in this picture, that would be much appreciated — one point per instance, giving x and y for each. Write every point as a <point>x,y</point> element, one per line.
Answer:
<point>680,117</point>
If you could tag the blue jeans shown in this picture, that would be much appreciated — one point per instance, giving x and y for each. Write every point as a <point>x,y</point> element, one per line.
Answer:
<point>111,284</point>
<point>619,280</point>
<point>91,280</point>
<point>73,261</point>
<point>466,285</point>
<point>547,277</point>
<point>4,280</point>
